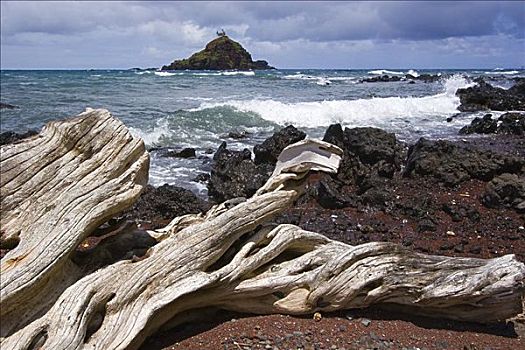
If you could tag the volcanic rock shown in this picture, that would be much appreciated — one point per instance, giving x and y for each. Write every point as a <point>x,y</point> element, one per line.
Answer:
<point>484,96</point>
<point>7,106</point>
<point>485,125</point>
<point>509,123</point>
<point>10,136</point>
<point>381,79</point>
<point>427,78</point>
<point>505,190</point>
<point>184,153</point>
<point>452,164</point>
<point>512,123</point>
<point>234,174</point>
<point>269,150</point>
<point>161,204</point>
<point>366,152</point>
<point>221,53</point>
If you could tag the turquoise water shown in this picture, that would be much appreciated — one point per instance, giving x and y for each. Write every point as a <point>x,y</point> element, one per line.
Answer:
<point>197,109</point>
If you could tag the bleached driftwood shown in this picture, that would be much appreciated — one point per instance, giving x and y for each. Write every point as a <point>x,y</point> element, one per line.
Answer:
<point>229,259</point>
<point>56,188</point>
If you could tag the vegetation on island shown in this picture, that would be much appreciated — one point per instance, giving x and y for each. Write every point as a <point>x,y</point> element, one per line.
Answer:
<point>222,53</point>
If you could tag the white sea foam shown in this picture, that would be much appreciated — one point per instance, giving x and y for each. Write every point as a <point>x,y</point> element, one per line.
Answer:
<point>323,82</point>
<point>152,137</point>
<point>165,74</point>
<point>318,80</point>
<point>227,73</point>
<point>382,112</point>
<point>501,72</point>
<point>343,78</point>
<point>415,73</point>
<point>385,71</point>
<point>147,72</point>
<point>248,73</point>
<point>300,76</point>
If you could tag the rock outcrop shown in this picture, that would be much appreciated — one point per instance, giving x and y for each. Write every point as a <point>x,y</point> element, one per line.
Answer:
<point>484,96</point>
<point>11,136</point>
<point>368,152</point>
<point>451,164</point>
<point>269,150</point>
<point>7,106</point>
<point>158,205</point>
<point>506,190</point>
<point>221,53</point>
<point>509,123</point>
<point>234,174</point>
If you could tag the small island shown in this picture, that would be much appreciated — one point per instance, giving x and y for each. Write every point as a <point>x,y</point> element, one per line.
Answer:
<point>222,53</point>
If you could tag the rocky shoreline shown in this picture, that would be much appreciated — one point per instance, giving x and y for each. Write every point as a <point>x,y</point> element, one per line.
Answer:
<point>463,198</point>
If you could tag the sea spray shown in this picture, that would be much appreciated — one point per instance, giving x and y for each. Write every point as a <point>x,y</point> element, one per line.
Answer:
<point>380,112</point>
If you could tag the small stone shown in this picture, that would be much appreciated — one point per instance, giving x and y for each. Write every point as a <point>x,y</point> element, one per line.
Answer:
<point>451,233</point>
<point>317,316</point>
<point>475,249</point>
<point>298,334</point>
<point>366,322</point>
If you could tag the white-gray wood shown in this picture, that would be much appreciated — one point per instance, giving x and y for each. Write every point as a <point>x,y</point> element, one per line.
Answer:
<point>229,258</point>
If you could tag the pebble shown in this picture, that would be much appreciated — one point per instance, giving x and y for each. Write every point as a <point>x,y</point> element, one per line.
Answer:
<point>365,322</point>
<point>317,317</point>
<point>451,233</point>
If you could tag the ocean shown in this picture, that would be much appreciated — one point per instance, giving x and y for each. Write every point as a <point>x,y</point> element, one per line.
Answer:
<point>199,108</point>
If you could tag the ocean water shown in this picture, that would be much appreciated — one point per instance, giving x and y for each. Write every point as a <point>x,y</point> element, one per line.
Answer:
<point>198,108</point>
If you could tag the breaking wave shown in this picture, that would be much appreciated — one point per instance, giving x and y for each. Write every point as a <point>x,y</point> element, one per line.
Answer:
<point>381,112</point>
<point>165,74</point>
<point>501,72</point>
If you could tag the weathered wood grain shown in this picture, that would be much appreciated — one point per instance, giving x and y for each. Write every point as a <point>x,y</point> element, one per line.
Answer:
<point>230,258</point>
<point>55,189</point>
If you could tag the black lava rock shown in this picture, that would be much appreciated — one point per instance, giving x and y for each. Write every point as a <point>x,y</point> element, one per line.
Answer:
<point>158,204</point>
<point>452,164</point>
<point>485,125</point>
<point>269,150</point>
<point>484,96</point>
<point>366,152</point>
<point>512,123</point>
<point>382,79</point>
<point>184,153</point>
<point>506,190</point>
<point>234,174</point>
<point>7,106</point>
<point>11,137</point>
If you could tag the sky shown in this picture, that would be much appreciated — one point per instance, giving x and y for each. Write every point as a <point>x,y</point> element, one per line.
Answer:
<point>346,35</point>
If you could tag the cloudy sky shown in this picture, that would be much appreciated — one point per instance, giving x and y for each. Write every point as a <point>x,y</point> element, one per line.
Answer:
<point>288,34</point>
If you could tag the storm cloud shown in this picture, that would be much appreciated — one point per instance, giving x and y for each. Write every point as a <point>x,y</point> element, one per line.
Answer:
<point>288,34</point>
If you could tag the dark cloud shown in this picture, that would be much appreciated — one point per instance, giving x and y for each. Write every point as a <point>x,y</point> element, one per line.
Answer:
<point>160,31</point>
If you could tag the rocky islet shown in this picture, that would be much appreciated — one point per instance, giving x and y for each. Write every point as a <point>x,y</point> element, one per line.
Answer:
<point>222,53</point>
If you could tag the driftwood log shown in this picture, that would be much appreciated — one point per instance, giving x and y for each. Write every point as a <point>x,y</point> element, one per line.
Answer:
<point>59,186</point>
